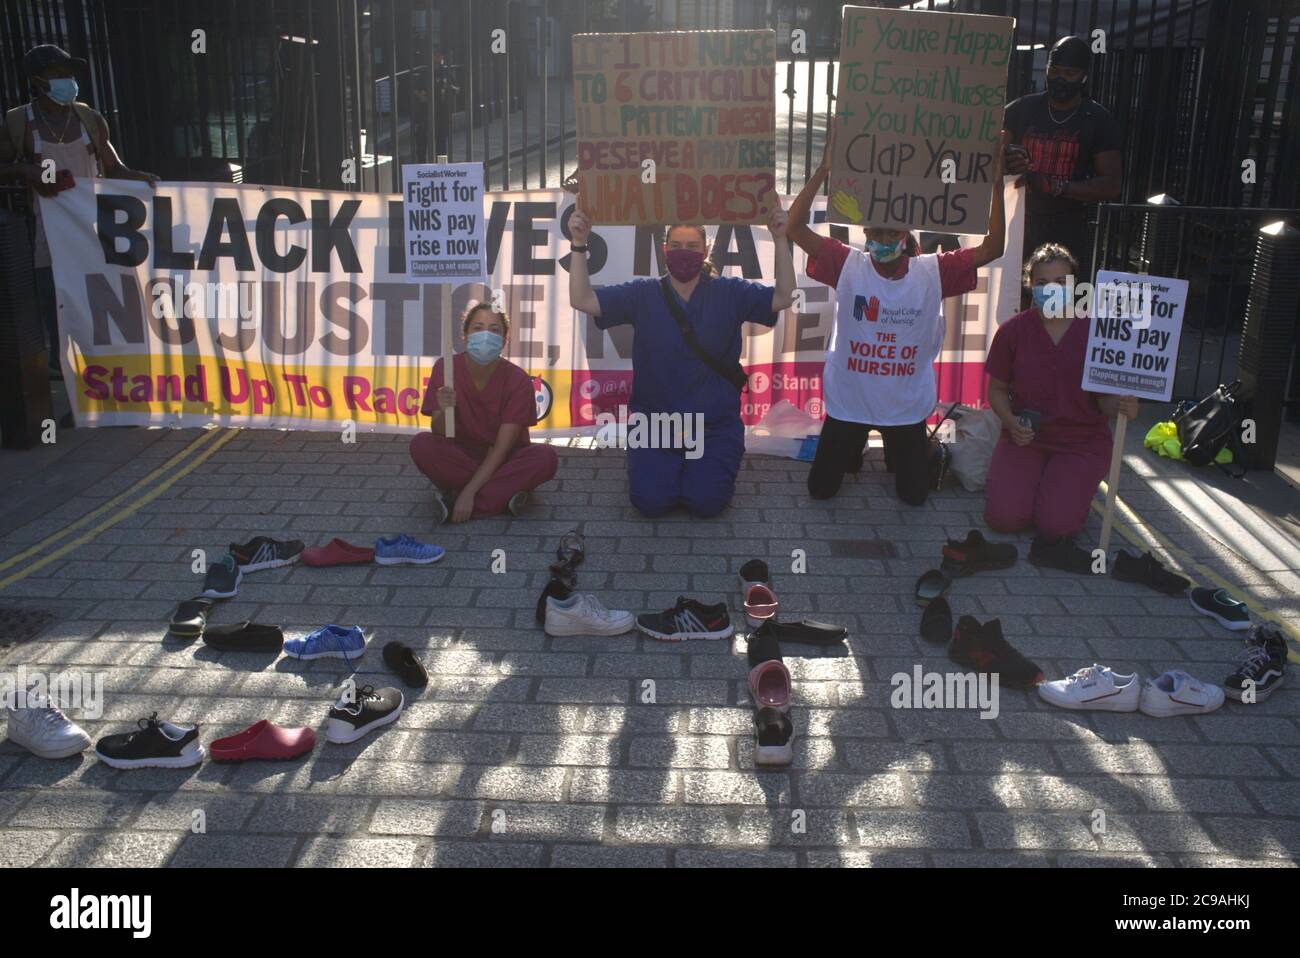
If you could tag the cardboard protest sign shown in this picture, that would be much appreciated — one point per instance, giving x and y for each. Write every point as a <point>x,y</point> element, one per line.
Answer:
<point>442,207</point>
<point>1133,335</point>
<point>676,127</point>
<point>920,100</point>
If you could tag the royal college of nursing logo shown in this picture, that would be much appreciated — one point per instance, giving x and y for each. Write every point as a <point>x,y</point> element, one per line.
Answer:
<point>868,309</point>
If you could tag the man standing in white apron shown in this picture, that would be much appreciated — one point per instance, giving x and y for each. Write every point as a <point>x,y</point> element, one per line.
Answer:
<point>52,143</point>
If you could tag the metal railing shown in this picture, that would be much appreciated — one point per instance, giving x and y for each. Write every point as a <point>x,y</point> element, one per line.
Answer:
<point>1213,248</point>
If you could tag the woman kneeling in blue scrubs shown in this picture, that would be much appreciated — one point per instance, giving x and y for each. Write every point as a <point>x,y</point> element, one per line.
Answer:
<point>671,377</point>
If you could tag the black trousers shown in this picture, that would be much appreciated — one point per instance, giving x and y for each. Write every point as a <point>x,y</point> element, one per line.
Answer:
<point>839,451</point>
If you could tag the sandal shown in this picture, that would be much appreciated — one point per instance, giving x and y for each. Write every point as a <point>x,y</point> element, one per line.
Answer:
<point>769,685</point>
<point>932,585</point>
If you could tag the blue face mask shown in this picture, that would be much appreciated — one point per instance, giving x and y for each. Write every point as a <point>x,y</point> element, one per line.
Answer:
<point>63,90</point>
<point>1049,292</point>
<point>484,346</point>
<point>884,252</point>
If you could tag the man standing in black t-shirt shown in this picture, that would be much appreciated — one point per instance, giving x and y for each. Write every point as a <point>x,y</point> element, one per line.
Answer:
<point>1066,149</point>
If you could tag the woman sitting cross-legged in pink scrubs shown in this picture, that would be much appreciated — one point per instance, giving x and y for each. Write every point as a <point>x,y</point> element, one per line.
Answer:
<point>1047,476</point>
<point>490,465</point>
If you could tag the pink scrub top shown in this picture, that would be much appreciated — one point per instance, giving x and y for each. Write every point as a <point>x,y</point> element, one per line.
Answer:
<point>508,397</point>
<point>1047,377</point>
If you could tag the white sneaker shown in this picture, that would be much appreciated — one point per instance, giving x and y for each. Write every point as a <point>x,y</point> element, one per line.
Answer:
<point>44,730</point>
<point>1095,687</point>
<point>1177,693</point>
<point>582,614</point>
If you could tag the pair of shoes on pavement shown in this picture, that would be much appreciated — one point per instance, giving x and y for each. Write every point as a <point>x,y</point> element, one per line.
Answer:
<point>769,688</point>
<point>46,731</point>
<point>443,505</point>
<point>982,648</point>
<point>1098,688</point>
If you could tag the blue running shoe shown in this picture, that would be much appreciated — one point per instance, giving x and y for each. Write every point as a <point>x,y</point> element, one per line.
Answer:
<point>330,641</point>
<point>403,550</point>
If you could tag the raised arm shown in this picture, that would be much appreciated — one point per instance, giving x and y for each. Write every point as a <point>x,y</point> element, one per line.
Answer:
<point>581,295</point>
<point>996,239</point>
<point>783,295</point>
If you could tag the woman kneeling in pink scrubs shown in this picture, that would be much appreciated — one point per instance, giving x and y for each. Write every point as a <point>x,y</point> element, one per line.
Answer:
<point>490,465</point>
<point>1047,474</point>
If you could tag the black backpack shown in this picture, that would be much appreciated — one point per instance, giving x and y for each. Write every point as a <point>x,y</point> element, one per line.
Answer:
<point>1205,427</point>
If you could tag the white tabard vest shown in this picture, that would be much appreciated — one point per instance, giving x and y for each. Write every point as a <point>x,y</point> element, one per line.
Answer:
<point>886,337</point>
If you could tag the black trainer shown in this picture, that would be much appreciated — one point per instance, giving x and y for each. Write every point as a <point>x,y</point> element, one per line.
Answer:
<point>222,580</point>
<point>688,619</point>
<point>1061,554</point>
<point>263,552</point>
<point>962,557</point>
<point>982,648</point>
<point>1222,608</point>
<point>1263,664</point>
<point>1147,571</point>
<point>367,711</point>
<point>156,745</point>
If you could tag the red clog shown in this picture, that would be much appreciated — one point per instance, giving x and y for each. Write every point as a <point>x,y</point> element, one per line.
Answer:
<point>263,740</point>
<point>337,552</point>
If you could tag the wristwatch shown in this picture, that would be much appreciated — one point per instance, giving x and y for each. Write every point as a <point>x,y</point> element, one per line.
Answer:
<point>579,249</point>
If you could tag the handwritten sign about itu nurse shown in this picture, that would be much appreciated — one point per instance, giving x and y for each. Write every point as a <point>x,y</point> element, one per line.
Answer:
<point>1133,335</point>
<point>920,98</point>
<point>676,127</point>
<point>442,208</point>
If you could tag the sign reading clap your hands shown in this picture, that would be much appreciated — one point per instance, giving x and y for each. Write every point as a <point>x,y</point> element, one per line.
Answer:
<point>920,101</point>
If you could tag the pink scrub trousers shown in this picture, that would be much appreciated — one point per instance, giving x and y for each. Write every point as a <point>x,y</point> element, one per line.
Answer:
<point>1050,482</point>
<point>449,465</point>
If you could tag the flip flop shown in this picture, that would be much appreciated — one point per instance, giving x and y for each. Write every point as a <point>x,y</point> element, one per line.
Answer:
<point>191,618</point>
<point>773,738</point>
<point>769,685</point>
<point>932,585</point>
<point>936,622</point>
<point>245,637</point>
<point>760,604</point>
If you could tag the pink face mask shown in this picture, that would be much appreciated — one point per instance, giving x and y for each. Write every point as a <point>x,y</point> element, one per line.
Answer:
<point>684,264</point>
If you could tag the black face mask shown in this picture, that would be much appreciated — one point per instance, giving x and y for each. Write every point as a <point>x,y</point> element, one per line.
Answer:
<point>1062,90</point>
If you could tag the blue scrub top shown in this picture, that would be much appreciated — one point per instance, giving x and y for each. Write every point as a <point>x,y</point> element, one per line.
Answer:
<point>667,376</point>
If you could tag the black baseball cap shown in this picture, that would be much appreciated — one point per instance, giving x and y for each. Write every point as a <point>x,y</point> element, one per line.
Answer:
<point>40,58</point>
<point>1071,53</point>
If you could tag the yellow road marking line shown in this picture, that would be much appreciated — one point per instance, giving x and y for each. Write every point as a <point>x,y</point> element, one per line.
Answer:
<point>1125,526</point>
<point>139,503</point>
<point>117,500</point>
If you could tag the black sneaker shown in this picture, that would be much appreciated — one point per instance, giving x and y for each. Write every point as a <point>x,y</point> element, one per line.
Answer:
<point>222,580</point>
<point>1262,665</point>
<point>982,648</point>
<point>1147,571</point>
<point>263,552</point>
<point>368,710</point>
<point>977,554</point>
<point>1062,554</point>
<point>1222,608</point>
<point>156,745</point>
<point>688,619</point>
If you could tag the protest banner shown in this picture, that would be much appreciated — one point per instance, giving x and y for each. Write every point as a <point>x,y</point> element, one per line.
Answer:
<point>919,102</point>
<point>271,307</point>
<point>443,215</point>
<point>1133,340</point>
<point>676,127</point>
